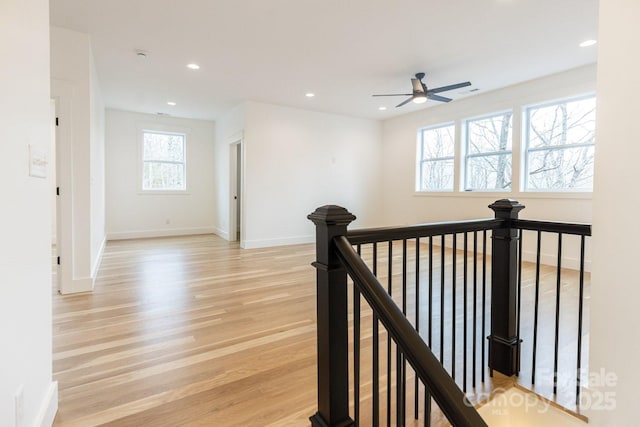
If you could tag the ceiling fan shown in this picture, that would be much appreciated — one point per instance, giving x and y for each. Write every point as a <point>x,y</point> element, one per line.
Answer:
<point>421,93</point>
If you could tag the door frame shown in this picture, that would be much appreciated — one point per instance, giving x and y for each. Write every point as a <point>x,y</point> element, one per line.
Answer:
<point>61,93</point>
<point>55,208</point>
<point>234,161</point>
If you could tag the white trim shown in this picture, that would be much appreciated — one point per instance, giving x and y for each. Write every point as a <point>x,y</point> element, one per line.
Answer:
<point>519,196</point>
<point>282,241</point>
<point>163,193</point>
<point>62,92</point>
<point>124,235</point>
<point>570,263</point>
<point>49,407</point>
<point>233,188</point>
<point>98,261</point>
<point>546,258</point>
<point>221,233</point>
<point>84,284</point>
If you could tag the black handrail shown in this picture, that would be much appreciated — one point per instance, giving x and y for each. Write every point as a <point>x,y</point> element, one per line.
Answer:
<point>553,227</point>
<point>441,386</point>
<point>336,258</point>
<point>370,235</point>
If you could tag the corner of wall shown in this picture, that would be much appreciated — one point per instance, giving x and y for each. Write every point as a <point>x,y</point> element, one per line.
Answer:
<point>49,407</point>
<point>98,260</point>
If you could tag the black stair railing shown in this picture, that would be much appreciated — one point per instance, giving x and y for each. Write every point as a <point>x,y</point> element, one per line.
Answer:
<point>411,331</point>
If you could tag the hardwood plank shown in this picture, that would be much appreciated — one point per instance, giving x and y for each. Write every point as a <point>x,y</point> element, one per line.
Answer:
<point>195,331</point>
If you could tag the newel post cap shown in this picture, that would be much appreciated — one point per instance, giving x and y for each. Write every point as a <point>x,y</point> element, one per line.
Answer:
<point>331,215</point>
<point>506,206</point>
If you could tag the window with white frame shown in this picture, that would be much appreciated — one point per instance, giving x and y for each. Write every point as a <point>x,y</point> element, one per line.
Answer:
<point>488,142</point>
<point>163,161</point>
<point>436,146</point>
<point>559,140</point>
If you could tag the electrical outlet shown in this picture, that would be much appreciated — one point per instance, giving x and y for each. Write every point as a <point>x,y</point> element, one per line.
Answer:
<point>18,400</point>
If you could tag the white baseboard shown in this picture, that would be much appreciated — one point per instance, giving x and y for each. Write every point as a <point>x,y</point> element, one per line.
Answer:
<point>125,235</point>
<point>282,241</point>
<point>222,233</point>
<point>49,407</point>
<point>84,284</point>
<point>570,263</point>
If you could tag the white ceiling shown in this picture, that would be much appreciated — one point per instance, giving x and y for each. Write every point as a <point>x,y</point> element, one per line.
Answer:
<point>275,51</point>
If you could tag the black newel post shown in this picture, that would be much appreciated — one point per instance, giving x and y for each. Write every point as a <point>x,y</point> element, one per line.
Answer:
<point>503,341</point>
<point>333,351</point>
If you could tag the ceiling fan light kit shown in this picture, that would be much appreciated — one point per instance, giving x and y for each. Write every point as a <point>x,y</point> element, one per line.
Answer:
<point>419,99</point>
<point>421,93</point>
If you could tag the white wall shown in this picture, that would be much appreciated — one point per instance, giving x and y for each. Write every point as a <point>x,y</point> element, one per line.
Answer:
<point>297,160</point>
<point>25,217</point>
<point>615,343</point>
<point>75,85</point>
<point>52,171</point>
<point>97,169</point>
<point>133,214</point>
<point>405,206</point>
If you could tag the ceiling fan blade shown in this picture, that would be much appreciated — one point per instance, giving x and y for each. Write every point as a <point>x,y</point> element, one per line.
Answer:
<point>417,85</point>
<point>406,101</point>
<point>396,94</point>
<point>450,87</point>
<point>438,98</point>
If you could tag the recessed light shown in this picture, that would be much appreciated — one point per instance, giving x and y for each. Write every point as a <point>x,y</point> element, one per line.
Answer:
<point>171,103</point>
<point>382,108</point>
<point>309,95</point>
<point>588,43</point>
<point>193,66</point>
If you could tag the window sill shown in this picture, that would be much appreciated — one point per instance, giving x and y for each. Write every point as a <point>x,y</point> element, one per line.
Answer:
<point>517,195</point>
<point>163,193</point>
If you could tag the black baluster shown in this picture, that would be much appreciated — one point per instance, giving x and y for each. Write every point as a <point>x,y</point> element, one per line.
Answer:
<point>558,286</point>
<point>535,310</point>
<point>475,305</point>
<point>580,307</point>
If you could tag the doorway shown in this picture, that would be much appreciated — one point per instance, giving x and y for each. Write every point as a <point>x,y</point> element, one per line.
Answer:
<point>235,192</point>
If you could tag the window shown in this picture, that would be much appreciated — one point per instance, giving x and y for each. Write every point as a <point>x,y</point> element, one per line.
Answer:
<point>435,154</point>
<point>559,140</point>
<point>163,161</point>
<point>488,153</point>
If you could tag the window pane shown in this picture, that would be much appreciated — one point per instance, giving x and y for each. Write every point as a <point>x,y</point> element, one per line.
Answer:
<point>491,172</point>
<point>489,134</point>
<point>163,146</point>
<point>438,142</point>
<point>163,176</point>
<point>561,169</point>
<point>437,175</point>
<point>435,165</point>
<point>489,137</point>
<point>571,122</point>
<point>558,127</point>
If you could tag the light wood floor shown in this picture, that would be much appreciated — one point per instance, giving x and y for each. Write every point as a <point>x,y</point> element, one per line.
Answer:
<point>194,331</point>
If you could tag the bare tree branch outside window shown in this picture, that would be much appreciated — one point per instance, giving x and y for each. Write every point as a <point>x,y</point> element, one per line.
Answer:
<point>488,157</point>
<point>163,161</point>
<point>560,142</point>
<point>435,167</point>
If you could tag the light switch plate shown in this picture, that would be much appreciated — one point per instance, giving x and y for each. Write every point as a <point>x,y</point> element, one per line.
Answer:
<point>38,161</point>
